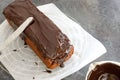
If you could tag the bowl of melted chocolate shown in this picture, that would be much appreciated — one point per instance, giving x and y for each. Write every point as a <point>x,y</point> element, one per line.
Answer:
<point>104,70</point>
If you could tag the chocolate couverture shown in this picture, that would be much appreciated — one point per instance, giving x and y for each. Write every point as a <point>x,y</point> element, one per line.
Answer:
<point>42,31</point>
<point>106,71</point>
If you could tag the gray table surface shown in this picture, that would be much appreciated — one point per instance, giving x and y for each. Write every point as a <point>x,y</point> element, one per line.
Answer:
<point>101,18</point>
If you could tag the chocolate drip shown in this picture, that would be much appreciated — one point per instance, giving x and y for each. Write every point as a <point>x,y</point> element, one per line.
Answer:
<point>62,65</point>
<point>48,71</point>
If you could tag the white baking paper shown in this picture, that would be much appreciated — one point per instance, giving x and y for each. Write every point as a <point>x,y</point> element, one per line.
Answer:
<point>15,34</point>
<point>23,64</point>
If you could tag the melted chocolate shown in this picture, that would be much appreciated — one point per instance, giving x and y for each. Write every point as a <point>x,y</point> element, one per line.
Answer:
<point>15,50</point>
<point>33,77</point>
<point>107,71</point>
<point>108,76</point>
<point>42,31</point>
<point>62,65</point>
<point>25,43</point>
<point>48,71</point>
<point>36,63</point>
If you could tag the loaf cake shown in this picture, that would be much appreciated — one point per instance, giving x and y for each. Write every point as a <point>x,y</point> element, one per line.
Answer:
<point>42,35</point>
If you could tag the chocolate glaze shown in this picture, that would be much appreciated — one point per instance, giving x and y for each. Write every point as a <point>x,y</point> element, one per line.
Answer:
<point>48,71</point>
<point>62,65</point>
<point>107,71</point>
<point>42,31</point>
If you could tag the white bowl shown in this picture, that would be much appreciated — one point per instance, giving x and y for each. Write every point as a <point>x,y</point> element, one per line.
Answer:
<point>95,64</point>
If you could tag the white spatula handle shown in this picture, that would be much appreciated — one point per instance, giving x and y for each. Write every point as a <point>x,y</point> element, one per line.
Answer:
<point>16,33</point>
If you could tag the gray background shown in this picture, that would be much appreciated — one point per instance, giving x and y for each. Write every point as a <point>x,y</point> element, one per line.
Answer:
<point>101,18</point>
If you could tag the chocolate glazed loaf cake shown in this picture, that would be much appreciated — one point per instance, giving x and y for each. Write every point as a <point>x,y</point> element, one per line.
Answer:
<point>42,35</point>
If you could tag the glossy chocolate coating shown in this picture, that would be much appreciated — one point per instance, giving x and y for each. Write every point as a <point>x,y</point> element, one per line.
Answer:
<point>107,71</point>
<point>108,76</point>
<point>42,31</point>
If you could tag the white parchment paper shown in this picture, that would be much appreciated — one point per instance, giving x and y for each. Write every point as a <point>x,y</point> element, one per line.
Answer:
<point>23,64</point>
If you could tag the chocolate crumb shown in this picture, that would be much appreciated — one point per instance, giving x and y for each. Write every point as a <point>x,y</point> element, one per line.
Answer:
<point>23,60</point>
<point>15,50</point>
<point>62,65</point>
<point>36,63</point>
<point>48,71</point>
<point>33,77</point>
<point>0,53</point>
<point>25,43</point>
